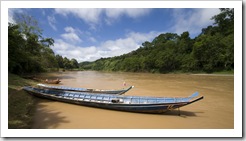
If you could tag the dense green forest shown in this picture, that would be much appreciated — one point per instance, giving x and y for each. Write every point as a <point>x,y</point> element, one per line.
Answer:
<point>211,51</point>
<point>29,51</point>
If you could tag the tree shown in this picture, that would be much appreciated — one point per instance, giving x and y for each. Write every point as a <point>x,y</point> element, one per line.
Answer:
<point>59,60</point>
<point>48,59</point>
<point>15,49</point>
<point>225,21</point>
<point>163,38</point>
<point>47,42</point>
<point>28,50</point>
<point>146,45</point>
<point>67,64</point>
<point>208,51</point>
<point>74,63</point>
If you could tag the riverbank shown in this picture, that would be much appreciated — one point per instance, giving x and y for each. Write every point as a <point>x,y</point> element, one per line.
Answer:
<point>21,106</point>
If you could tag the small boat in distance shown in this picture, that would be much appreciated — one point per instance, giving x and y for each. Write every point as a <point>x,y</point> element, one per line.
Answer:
<point>43,80</point>
<point>56,81</point>
<point>142,104</point>
<point>65,88</point>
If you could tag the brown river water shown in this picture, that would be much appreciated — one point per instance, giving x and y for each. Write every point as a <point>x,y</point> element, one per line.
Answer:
<point>215,111</point>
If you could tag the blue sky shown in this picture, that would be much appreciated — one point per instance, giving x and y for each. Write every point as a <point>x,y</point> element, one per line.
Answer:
<point>88,34</point>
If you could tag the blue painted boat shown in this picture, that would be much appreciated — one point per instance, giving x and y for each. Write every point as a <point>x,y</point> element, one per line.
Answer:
<point>65,88</point>
<point>143,104</point>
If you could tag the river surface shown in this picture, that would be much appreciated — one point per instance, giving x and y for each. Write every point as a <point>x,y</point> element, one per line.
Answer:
<point>215,111</point>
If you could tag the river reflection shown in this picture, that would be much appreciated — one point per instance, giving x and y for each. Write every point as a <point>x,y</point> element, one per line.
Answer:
<point>215,111</point>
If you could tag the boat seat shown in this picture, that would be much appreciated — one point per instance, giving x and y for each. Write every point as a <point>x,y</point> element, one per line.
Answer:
<point>117,100</point>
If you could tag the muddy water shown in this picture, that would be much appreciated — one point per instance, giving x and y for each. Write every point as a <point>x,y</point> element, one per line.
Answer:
<point>215,111</point>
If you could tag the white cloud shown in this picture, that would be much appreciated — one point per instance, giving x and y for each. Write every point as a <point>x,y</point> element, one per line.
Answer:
<point>70,51</point>
<point>192,20</point>
<point>43,12</point>
<point>10,16</point>
<point>11,12</point>
<point>69,29</point>
<point>141,37</point>
<point>109,48</point>
<point>207,14</point>
<point>113,14</point>
<point>92,39</point>
<point>71,35</point>
<point>52,21</point>
<point>95,16</point>
<point>90,16</point>
<point>132,41</point>
<point>130,12</point>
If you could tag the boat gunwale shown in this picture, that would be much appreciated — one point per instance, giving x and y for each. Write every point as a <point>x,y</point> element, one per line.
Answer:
<point>58,98</point>
<point>89,90</point>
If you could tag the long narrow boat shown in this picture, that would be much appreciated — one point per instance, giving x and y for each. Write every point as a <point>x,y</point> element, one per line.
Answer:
<point>141,104</point>
<point>65,88</point>
<point>47,81</point>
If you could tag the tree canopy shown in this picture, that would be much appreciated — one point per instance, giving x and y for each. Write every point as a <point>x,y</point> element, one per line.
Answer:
<point>29,51</point>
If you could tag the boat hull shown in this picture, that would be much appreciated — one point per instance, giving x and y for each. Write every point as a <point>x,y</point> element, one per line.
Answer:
<point>140,107</point>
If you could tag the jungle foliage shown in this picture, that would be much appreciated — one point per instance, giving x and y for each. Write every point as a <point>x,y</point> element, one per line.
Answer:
<point>212,50</point>
<point>29,51</point>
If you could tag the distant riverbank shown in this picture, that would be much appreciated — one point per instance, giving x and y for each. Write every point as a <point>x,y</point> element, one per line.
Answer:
<point>222,73</point>
<point>214,74</point>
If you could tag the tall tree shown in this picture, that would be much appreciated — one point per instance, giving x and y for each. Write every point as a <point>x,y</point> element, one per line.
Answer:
<point>74,63</point>
<point>27,44</point>
<point>225,21</point>
<point>67,64</point>
<point>59,60</point>
<point>16,44</point>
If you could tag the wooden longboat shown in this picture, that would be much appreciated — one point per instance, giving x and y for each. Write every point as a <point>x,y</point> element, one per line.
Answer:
<point>142,104</point>
<point>57,81</point>
<point>47,81</point>
<point>65,88</point>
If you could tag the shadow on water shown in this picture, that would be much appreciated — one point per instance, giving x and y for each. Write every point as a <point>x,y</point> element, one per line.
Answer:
<point>66,77</point>
<point>181,113</point>
<point>47,118</point>
<point>60,77</point>
<point>52,119</point>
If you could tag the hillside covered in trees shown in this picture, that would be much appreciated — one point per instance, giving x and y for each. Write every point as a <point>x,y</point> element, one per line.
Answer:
<point>212,50</point>
<point>29,51</point>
